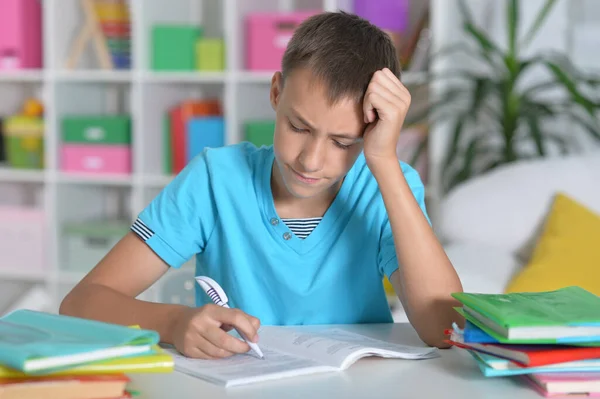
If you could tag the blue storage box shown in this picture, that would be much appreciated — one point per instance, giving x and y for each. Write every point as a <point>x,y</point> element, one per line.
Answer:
<point>204,132</point>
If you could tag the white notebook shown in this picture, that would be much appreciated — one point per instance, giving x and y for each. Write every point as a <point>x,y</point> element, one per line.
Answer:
<point>290,353</point>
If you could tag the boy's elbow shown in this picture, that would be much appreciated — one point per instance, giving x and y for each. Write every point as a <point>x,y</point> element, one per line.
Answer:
<point>67,305</point>
<point>437,342</point>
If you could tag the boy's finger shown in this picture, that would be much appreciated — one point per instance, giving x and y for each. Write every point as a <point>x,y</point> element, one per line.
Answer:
<point>219,339</point>
<point>206,345</point>
<point>255,322</point>
<point>240,321</point>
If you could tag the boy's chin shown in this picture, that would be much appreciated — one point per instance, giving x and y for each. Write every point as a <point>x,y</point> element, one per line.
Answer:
<point>304,192</point>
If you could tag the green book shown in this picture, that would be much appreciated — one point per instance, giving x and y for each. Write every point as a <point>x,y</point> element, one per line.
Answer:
<point>569,314</point>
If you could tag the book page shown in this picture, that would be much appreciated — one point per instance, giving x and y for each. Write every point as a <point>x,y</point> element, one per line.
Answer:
<point>336,347</point>
<point>247,368</point>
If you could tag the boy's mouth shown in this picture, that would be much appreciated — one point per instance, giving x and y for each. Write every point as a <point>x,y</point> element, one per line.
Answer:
<point>303,178</point>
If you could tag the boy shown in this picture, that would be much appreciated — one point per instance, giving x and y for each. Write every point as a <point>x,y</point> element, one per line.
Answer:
<point>249,214</point>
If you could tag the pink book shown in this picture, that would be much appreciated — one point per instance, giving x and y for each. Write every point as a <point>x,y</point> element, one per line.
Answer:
<point>559,384</point>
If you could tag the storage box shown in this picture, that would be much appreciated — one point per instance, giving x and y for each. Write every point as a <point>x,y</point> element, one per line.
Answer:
<point>210,54</point>
<point>22,243</point>
<point>97,129</point>
<point>86,243</point>
<point>260,132</point>
<point>174,47</point>
<point>20,34</point>
<point>96,158</point>
<point>24,142</point>
<point>267,36</point>
<point>204,132</point>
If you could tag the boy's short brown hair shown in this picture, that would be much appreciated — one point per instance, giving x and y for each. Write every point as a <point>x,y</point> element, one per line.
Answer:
<point>343,51</point>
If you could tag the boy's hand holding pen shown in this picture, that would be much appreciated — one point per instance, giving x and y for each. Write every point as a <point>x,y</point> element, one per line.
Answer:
<point>202,332</point>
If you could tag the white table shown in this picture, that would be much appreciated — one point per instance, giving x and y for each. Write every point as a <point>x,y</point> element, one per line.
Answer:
<point>452,375</point>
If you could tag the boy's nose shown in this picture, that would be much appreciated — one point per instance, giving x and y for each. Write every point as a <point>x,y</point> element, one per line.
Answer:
<point>313,156</point>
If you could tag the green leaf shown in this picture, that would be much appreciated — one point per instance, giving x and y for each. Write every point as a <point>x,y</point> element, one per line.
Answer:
<point>487,45</point>
<point>464,9</point>
<point>532,107</point>
<point>571,87</point>
<point>467,166</point>
<point>590,126</point>
<point>493,164</point>
<point>452,150</point>
<point>536,134</point>
<point>513,28</point>
<point>539,21</point>
<point>482,89</point>
<point>560,141</point>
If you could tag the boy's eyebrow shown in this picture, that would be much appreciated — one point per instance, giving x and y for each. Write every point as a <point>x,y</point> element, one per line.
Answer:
<point>347,136</point>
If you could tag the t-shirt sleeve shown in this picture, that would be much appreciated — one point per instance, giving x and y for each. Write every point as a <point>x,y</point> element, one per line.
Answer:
<point>388,262</point>
<point>178,222</point>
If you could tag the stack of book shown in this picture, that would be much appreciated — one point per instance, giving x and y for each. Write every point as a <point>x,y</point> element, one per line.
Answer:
<point>53,356</point>
<point>549,339</point>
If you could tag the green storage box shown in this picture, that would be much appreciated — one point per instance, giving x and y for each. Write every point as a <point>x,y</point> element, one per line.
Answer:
<point>24,142</point>
<point>174,47</point>
<point>260,132</point>
<point>114,129</point>
<point>86,243</point>
<point>210,54</point>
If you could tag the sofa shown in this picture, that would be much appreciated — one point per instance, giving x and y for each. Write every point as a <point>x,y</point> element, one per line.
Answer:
<point>490,224</point>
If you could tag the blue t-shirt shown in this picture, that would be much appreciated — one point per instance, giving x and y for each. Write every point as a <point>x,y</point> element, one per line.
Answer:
<point>220,209</point>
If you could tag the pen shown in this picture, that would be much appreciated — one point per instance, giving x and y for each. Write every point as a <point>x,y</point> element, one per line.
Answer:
<point>218,296</point>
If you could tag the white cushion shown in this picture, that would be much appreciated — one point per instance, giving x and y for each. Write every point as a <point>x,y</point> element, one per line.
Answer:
<point>481,268</point>
<point>505,207</point>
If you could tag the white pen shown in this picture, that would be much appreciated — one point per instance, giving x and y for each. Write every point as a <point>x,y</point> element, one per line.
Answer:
<point>218,296</point>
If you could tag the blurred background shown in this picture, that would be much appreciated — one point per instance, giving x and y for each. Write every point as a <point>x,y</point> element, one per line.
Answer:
<point>102,102</point>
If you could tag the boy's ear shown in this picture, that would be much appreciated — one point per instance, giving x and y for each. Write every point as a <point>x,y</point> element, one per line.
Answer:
<point>276,89</point>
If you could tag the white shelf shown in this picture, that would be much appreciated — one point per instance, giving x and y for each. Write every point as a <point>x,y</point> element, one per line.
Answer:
<point>157,181</point>
<point>21,175</point>
<point>22,76</point>
<point>141,92</point>
<point>93,179</point>
<point>101,76</point>
<point>7,274</point>
<point>184,77</point>
<point>254,77</point>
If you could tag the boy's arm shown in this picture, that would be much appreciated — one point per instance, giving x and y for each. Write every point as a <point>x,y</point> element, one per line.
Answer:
<point>108,292</point>
<point>425,277</point>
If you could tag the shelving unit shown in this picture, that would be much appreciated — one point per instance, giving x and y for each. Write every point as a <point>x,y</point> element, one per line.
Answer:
<point>143,93</point>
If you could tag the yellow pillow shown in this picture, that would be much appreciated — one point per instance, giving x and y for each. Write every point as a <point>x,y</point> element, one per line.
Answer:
<point>567,253</point>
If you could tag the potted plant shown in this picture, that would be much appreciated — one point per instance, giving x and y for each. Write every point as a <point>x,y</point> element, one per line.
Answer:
<point>495,117</point>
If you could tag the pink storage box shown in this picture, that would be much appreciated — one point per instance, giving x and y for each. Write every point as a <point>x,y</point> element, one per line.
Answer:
<point>267,36</point>
<point>96,158</point>
<point>20,34</point>
<point>22,243</point>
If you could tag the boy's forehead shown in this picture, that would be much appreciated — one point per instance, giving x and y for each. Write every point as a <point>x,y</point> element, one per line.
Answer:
<point>303,91</point>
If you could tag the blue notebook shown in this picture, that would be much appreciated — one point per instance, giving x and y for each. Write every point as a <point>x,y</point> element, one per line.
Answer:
<point>492,366</point>
<point>38,343</point>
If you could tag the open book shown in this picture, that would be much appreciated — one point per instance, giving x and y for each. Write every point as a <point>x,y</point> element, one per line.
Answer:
<point>290,353</point>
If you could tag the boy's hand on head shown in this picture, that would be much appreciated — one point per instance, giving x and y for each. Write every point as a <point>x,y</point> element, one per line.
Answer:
<point>385,106</point>
<point>202,332</point>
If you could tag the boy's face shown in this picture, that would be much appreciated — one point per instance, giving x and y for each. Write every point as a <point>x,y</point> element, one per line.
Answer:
<point>315,143</point>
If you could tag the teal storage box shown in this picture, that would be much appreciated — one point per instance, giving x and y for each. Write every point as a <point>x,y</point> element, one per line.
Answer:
<point>86,243</point>
<point>204,132</point>
<point>113,129</point>
<point>174,47</point>
<point>260,133</point>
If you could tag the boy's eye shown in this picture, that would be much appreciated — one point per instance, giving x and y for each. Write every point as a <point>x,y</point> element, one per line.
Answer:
<point>342,146</point>
<point>295,128</point>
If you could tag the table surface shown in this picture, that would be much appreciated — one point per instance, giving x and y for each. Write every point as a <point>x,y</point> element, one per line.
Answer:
<point>452,375</point>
